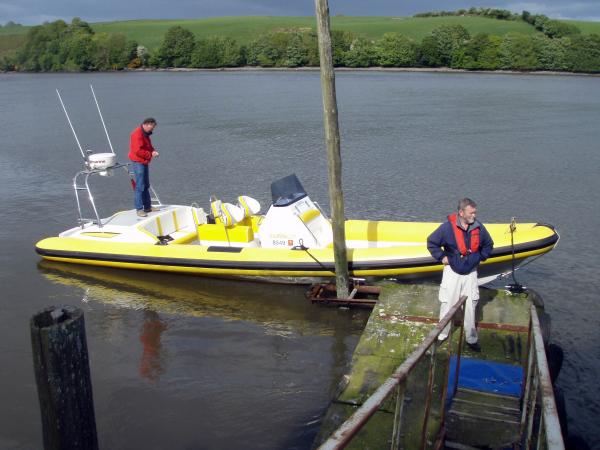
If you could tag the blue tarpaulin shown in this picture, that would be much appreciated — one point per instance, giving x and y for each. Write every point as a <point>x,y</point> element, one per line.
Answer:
<point>486,376</point>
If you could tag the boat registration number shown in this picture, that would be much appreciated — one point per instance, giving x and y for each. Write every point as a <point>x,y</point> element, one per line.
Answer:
<point>283,242</point>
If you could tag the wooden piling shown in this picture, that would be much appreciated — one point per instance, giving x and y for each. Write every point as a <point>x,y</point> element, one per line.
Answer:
<point>62,374</point>
<point>332,138</point>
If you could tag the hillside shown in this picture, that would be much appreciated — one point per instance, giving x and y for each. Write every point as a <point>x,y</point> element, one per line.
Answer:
<point>150,33</point>
<point>243,29</point>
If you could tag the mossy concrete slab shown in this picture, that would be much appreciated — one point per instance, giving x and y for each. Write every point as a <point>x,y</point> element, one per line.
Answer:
<point>404,315</point>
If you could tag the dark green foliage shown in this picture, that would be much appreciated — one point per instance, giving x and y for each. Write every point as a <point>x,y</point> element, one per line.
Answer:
<point>494,13</point>
<point>551,53</point>
<point>74,47</point>
<point>482,52</point>
<point>176,49</point>
<point>396,50</point>
<point>447,39</point>
<point>583,53</point>
<point>283,49</point>
<point>517,52</point>
<point>216,52</point>
<point>341,41</point>
<point>429,54</point>
<point>113,51</point>
<point>362,53</point>
<point>551,28</point>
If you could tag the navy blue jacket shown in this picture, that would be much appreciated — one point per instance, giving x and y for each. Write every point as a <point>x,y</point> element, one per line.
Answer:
<point>442,243</point>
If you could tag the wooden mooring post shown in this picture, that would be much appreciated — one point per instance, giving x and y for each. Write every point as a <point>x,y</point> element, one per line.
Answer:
<point>334,160</point>
<point>62,374</point>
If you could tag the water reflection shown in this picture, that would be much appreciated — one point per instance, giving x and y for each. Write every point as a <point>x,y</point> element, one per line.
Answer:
<point>151,361</point>
<point>281,310</point>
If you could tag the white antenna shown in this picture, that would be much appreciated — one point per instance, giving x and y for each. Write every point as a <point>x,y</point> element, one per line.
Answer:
<point>71,125</point>
<point>102,119</point>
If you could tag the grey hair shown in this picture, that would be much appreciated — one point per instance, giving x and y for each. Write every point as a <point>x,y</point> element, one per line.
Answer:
<point>464,202</point>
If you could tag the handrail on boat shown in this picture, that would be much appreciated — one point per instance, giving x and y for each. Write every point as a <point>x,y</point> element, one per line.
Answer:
<point>538,403</point>
<point>84,185</point>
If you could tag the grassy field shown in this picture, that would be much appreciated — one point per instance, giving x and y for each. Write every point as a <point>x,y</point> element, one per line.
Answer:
<point>150,33</point>
<point>243,29</point>
<point>586,27</point>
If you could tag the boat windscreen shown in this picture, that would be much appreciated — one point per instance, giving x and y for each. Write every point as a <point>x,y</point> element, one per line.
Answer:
<point>287,190</point>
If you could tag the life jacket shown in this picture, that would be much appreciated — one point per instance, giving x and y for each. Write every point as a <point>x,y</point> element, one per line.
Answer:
<point>460,237</point>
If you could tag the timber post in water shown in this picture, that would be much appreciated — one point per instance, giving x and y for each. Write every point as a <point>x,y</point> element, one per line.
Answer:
<point>332,138</point>
<point>62,374</point>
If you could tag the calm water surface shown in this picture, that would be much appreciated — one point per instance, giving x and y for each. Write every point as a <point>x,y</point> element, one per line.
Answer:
<point>183,362</point>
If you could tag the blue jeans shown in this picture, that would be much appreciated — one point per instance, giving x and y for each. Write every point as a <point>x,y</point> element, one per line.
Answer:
<point>141,173</point>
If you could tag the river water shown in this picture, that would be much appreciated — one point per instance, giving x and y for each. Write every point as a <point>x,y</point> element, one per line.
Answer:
<point>183,362</point>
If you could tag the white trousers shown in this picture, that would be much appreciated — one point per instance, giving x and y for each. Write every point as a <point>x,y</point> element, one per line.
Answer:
<point>452,288</point>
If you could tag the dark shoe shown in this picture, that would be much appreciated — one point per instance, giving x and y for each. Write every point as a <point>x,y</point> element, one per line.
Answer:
<point>141,213</point>
<point>474,347</point>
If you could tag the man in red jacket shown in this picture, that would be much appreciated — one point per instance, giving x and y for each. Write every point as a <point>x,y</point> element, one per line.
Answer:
<point>141,153</point>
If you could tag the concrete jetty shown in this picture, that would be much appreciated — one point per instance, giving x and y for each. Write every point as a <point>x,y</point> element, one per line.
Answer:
<point>403,317</point>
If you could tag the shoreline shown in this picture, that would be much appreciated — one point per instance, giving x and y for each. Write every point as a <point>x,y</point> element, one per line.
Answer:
<point>366,69</point>
<point>337,69</point>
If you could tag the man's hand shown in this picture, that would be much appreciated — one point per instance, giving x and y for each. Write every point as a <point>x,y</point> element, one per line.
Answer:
<point>445,261</point>
<point>155,154</point>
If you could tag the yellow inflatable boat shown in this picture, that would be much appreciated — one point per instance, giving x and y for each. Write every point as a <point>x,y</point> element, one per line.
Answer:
<point>292,242</point>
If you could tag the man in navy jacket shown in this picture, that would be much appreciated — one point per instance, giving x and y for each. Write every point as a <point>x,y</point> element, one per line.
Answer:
<point>460,244</point>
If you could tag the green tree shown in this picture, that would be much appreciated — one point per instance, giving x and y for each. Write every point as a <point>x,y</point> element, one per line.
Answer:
<point>448,39</point>
<point>216,51</point>
<point>40,40</point>
<point>177,48</point>
<point>584,53</point>
<point>361,54</point>
<point>482,52</point>
<point>296,53</point>
<point>517,52</point>
<point>551,53</point>
<point>341,41</point>
<point>396,50</point>
<point>428,52</point>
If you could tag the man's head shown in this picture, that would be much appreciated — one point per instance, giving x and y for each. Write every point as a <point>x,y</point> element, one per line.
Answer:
<point>149,124</point>
<point>467,210</point>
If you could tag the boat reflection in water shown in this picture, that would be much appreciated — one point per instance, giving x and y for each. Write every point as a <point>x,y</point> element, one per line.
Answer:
<point>280,310</point>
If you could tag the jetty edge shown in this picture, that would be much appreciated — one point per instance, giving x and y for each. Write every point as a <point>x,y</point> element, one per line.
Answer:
<point>494,401</point>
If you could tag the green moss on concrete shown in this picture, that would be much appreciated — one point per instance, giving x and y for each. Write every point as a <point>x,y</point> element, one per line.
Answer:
<point>403,317</point>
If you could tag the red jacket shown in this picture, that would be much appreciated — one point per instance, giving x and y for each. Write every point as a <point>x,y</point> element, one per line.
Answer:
<point>140,146</point>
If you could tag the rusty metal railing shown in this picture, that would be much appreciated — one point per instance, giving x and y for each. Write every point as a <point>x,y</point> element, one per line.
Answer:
<point>540,427</point>
<point>540,424</point>
<point>397,384</point>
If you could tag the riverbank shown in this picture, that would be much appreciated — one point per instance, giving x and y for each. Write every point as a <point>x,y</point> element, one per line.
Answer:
<point>337,69</point>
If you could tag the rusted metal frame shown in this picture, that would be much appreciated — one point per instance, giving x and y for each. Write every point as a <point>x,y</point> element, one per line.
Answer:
<point>400,389</point>
<point>539,440</point>
<point>532,412</point>
<point>445,387</point>
<point>554,437</point>
<point>459,349</point>
<point>347,430</point>
<point>527,377</point>
<point>485,325</point>
<point>429,393</point>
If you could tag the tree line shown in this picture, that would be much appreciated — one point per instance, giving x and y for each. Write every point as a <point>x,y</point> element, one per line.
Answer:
<point>58,46</point>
